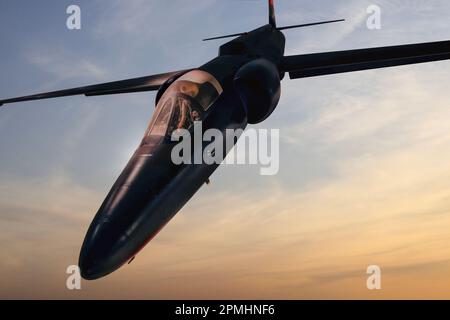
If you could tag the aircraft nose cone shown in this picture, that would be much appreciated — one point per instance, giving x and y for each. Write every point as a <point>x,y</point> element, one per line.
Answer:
<point>116,234</point>
<point>98,257</point>
<point>90,270</point>
<point>132,214</point>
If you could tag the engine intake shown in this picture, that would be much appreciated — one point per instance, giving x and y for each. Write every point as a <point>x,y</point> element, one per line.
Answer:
<point>259,87</point>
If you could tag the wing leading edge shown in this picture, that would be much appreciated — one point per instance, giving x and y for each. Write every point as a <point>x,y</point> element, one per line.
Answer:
<point>148,83</point>
<point>319,64</point>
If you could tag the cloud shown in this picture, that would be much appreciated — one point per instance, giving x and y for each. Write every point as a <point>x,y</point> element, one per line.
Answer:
<point>139,17</point>
<point>47,218</point>
<point>62,65</point>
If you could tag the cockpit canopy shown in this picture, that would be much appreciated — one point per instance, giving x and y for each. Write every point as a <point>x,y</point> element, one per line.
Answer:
<point>183,103</point>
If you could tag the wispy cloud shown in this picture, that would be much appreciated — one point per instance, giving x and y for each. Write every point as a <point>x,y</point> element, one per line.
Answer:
<point>62,65</point>
<point>140,17</point>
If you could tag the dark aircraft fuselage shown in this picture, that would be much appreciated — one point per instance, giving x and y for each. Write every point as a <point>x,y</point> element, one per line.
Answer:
<point>152,189</point>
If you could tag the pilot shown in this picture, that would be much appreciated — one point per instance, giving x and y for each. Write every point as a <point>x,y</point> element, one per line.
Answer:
<point>189,88</point>
<point>203,93</point>
<point>195,116</point>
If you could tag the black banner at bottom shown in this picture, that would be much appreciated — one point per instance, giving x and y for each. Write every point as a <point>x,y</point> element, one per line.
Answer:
<point>248,310</point>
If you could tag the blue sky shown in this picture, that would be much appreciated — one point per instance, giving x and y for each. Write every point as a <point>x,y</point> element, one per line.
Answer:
<point>364,157</point>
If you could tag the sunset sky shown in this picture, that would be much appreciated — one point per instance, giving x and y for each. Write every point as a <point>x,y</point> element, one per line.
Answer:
<point>364,158</point>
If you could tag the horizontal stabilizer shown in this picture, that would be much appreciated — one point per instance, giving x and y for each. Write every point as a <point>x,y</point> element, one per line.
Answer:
<point>148,83</point>
<point>310,24</point>
<point>279,29</point>
<point>227,36</point>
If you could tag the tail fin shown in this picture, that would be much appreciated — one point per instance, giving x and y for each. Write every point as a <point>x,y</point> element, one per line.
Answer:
<point>272,18</point>
<point>273,23</point>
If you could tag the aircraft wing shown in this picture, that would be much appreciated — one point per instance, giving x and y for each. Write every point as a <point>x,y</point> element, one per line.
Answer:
<point>319,64</point>
<point>147,83</point>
